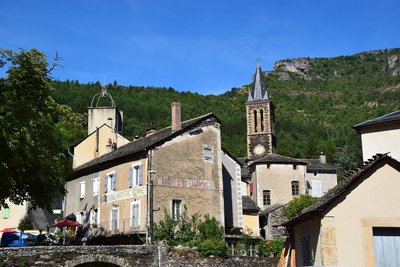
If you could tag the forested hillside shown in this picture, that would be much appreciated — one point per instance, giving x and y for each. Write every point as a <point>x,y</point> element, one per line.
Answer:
<point>317,101</point>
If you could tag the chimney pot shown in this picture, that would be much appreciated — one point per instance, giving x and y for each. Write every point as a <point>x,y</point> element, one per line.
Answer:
<point>322,158</point>
<point>176,116</point>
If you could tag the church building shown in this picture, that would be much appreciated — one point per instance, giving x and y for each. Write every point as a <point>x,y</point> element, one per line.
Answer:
<point>274,179</point>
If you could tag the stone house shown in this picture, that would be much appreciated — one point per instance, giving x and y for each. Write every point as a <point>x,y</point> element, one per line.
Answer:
<point>357,223</point>
<point>183,161</point>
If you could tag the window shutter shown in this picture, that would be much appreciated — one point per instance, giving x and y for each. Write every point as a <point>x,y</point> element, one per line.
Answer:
<point>82,190</point>
<point>114,181</point>
<point>106,184</point>
<point>130,177</point>
<point>140,175</point>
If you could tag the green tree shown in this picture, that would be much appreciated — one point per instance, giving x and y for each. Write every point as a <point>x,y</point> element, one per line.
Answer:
<point>296,205</point>
<point>32,162</point>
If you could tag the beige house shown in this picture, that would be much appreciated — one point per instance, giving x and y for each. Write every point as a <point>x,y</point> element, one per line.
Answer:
<point>380,135</point>
<point>184,162</point>
<point>357,223</point>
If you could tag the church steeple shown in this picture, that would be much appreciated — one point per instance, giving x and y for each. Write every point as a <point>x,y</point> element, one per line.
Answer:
<point>258,90</point>
<point>260,119</point>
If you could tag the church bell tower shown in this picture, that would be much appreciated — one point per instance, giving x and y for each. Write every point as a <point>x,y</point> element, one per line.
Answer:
<point>260,115</point>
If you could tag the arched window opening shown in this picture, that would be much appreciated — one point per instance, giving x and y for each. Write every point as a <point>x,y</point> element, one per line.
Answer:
<point>262,120</point>
<point>255,121</point>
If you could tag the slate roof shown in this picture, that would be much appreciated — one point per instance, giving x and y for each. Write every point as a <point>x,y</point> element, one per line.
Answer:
<point>258,90</point>
<point>140,146</point>
<point>249,205</point>
<point>245,168</point>
<point>316,165</point>
<point>391,117</point>
<point>343,187</point>
<point>276,158</point>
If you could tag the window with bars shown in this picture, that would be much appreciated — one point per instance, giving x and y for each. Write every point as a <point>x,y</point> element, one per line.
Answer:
<point>266,197</point>
<point>295,188</point>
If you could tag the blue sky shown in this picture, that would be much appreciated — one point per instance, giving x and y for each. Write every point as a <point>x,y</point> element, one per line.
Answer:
<point>200,46</point>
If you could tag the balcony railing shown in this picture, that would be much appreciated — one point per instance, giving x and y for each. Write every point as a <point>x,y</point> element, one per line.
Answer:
<point>121,226</point>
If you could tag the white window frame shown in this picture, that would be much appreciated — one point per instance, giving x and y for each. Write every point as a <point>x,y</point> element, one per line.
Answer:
<point>172,208</point>
<point>91,219</point>
<point>96,181</point>
<point>139,215</point>
<point>109,182</point>
<point>208,158</point>
<point>135,173</point>
<point>111,221</point>
<point>82,190</point>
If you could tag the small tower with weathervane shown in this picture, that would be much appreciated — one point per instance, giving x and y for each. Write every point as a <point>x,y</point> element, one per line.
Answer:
<point>260,115</point>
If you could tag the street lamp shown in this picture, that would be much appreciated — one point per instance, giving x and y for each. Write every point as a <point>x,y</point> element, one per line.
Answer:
<point>152,175</point>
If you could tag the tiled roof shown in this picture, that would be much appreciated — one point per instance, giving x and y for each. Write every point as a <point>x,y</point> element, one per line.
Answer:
<point>276,158</point>
<point>343,187</point>
<point>391,117</point>
<point>316,165</point>
<point>249,205</point>
<point>140,146</point>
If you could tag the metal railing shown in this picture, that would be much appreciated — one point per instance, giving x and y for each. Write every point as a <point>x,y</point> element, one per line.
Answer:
<point>121,226</point>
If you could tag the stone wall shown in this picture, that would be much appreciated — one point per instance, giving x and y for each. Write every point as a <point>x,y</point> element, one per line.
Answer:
<point>70,256</point>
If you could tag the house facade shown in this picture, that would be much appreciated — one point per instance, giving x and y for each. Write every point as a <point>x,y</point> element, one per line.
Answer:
<point>349,226</point>
<point>182,164</point>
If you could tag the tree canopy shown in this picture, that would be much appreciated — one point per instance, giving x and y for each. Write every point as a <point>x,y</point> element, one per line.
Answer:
<point>33,130</point>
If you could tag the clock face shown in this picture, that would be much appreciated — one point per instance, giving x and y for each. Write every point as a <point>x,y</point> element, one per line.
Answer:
<point>259,150</point>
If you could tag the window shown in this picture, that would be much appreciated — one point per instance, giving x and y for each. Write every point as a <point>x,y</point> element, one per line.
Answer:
<point>135,175</point>
<point>295,188</point>
<point>266,197</point>
<point>82,190</point>
<point>5,213</point>
<point>114,219</point>
<point>176,209</point>
<point>93,217</point>
<point>316,188</point>
<point>96,186</point>
<point>255,121</point>
<point>110,182</point>
<point>135,214</point>
<point>262,120</point>
<point>207,153</point>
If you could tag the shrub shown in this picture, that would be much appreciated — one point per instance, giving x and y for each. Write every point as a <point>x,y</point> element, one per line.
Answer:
<point>25,223</point>
<point>210,228</point>
<point>270,247</point>
<point>212,246</point>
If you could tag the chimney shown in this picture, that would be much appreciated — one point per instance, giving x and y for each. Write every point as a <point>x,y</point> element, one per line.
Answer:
<point>176,116</point>
<point>322,158</point>
<point>150,129</point>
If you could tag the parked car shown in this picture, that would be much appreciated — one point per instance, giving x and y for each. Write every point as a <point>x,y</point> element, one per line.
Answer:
<point>17,239</point>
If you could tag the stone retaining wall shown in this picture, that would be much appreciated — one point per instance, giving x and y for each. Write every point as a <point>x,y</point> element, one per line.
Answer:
<point>124,256</point>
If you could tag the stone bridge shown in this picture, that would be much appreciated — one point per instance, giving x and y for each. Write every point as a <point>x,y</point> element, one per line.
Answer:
<point>119,256</point>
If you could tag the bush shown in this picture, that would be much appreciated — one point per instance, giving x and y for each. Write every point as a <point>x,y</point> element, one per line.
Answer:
<point>296,205</point>
<point>209,229</point>
<point>25,223</point>
<point>212,246</point>
<point>267,248</point>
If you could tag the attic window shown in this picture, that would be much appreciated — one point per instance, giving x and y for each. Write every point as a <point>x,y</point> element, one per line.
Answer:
<point>315,173</point>
<point>207,153</point>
